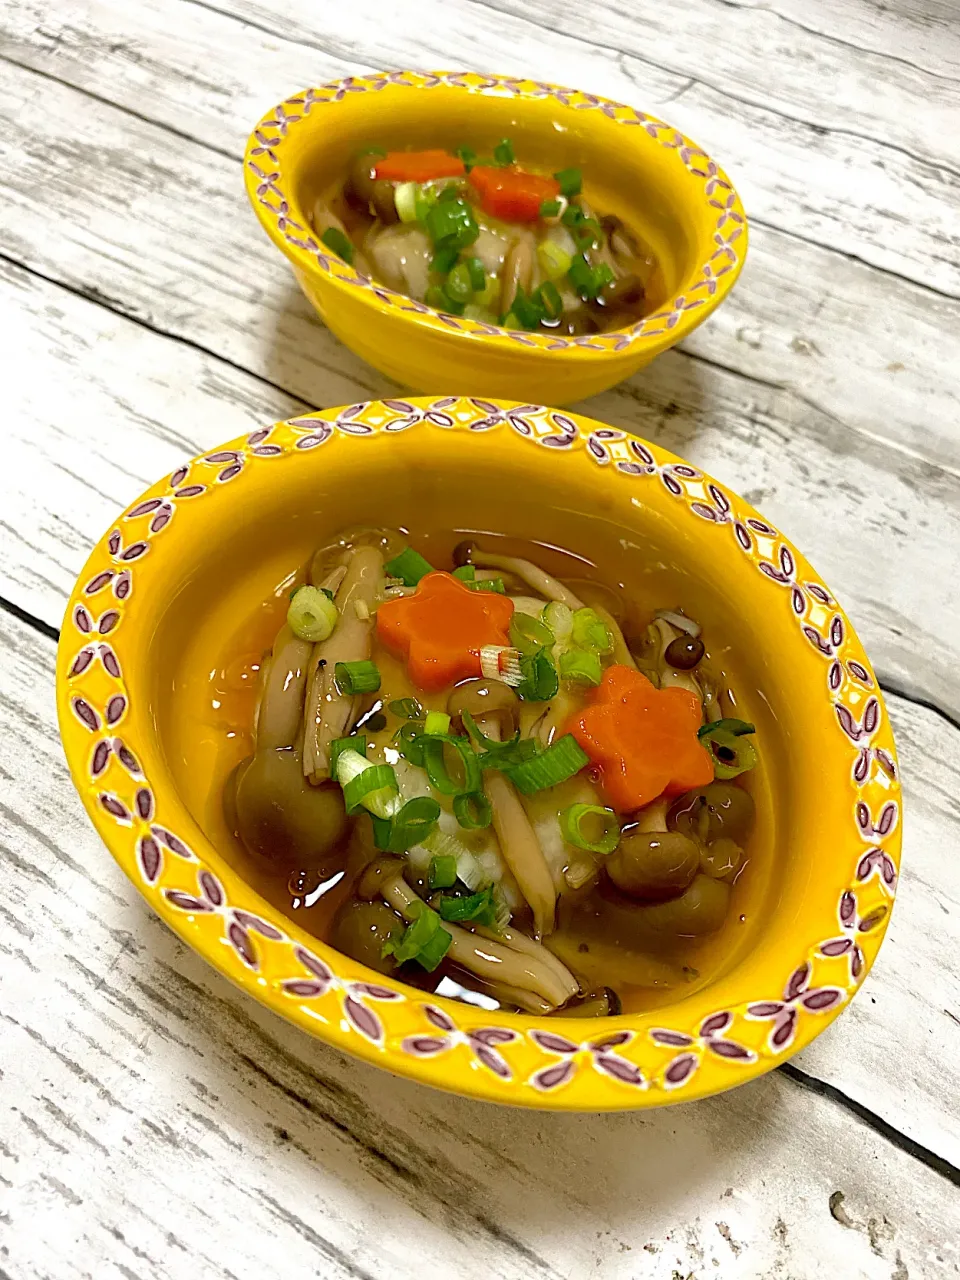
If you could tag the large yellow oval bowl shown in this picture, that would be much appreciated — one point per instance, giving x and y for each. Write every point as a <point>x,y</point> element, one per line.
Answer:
<point>180,574</point>
<point>635,166</point>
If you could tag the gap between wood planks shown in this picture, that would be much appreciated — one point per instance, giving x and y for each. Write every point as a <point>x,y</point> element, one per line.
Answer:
<point>932,289</point>
<point>800,1078</point>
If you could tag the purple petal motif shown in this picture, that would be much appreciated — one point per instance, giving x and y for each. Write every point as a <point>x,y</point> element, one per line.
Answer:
<point>728,1049</point>
<point>82,620</point>
<point>439,1018</point>
<point>493,1035</point>
<point>109,660</point>
<point>186,901</point>
<point>142,508</point>
<point>491,1060</point>
<point>315,966</point>
<point>553,1043</point>
<point>304,988</point>
<point>716,1023</point>
<point>144,803</point>
<point>85,713</point>
<point>81,662</point>
<point>101,758</point>
<point>553,1077</point>
<point>210,888</point>
<point>98,583</point>
<point>115,708</point>
<point>680,1070</point>
<point>821,999</point>
<point>258,926</point>
<point>796,982</point>
<point>150,859</point>
<point>613,1065</point>
<point>424,1046</point>
<point>242,944</point>
<point>676,1039</point>
<point>372,990</point>
<point>364,1019</point>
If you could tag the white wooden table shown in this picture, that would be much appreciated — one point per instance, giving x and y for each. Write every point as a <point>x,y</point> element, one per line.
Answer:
<point>153,1121</point>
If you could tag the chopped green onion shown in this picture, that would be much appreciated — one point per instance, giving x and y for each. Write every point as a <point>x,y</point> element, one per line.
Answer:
<point>436,766</point>
<point>443,872</point>
<point>426,199</point>
<point>550,209</point>
<point>581,664</point>
<point>591,632</point>
<point>437,298</point>
<point>478,277</point>
<point>588,280</point>
<point>405,198</point>
<point>443,260</point>
<point>561,760</point>
<point>406,709</point>
<point>559,618</point>
<point>466,573</point>
<point>409,566</point>
<point>587,233</point>
<point>732,754</point>
<point>469,869</point>
<point>409,742</point>
<point>510,321</point>
<point>468,156</point>
<point>335,240</point>
<point>540,682</point>
<point>311,615</point>
<point>571,825</point>
<point>424,941</point>
<point>500,755</point>
<point>457,284</point>
<point>372,789</point>
<point>527,309</point>
<point>572,215</point>
<point>358,743</point>
<point>326,591</point>
<point>548,296</point>
<point>473,810</point>
<point>449,192</point>
<point>553,259</point>
<point>437,722</point>
<point>737,727</point>
<point>410,825</point>
<point>571,181</point>
<point>528,634</point>
<point>478,906</point>
<point>357,677</point>
<point>451,225</point>
<point>503,152</point>
<point>487,584</point>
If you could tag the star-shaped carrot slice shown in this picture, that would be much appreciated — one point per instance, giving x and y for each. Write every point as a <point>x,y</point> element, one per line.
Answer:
<point>441,628</point>
<point>643,739</point>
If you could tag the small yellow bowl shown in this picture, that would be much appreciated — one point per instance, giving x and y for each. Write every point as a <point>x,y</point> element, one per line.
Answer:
<point>634,166</point>
<point>177,581</point>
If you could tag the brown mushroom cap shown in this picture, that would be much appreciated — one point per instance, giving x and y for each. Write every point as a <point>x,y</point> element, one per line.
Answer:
<point>485,699</point>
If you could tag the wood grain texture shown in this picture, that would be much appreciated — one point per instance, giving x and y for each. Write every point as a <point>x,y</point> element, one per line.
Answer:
<point>160,1124</point>
<point>172,1128</point>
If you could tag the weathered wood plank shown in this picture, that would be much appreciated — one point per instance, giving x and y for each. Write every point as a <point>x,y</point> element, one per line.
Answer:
<point>811,175</point>
<point>174,1129</point>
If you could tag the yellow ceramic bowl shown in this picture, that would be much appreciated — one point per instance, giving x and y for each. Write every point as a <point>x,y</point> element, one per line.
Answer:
<point>634,165</point>
<point>186,568</point>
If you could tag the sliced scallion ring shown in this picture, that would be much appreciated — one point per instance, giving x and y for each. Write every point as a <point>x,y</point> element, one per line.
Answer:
<point>529,634</point>
<point>410,825</point>
<point>473,810</point>
<point>357,677</point>
<point>581,664</point>
<point>561,760</point>
<point>312,615</point>
<point>572,823</point>
<point>409,565</point>
<point>443,872</point>
<point>436,765</point>
<point>357,743</point>
<point>406,709</point>
<point>373,789</point>
<point>732,754</point>
<point>405,198</point>
<point>729,725</point>
<point>437,722</point>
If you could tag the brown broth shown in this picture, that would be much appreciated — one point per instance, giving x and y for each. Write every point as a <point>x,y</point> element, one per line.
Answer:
<point>214,713</point>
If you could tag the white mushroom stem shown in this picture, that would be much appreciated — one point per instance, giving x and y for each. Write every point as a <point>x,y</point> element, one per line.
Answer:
<point>527,572</point>
<point>670,678</point>
<point>328,712</point>
<point>280,708</point>
<point>518,941</point>
<point>526,1000</point>
<point>491,961</point>
<point>518,841</point>
<point>653,817</point>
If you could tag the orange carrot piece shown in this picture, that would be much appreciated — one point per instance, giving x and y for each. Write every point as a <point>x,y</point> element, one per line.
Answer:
<point>643,739</point>
<point>512,194</point>
<point>440,630</point>
<point>418,166</point>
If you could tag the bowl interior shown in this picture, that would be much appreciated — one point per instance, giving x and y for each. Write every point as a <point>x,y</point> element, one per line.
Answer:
<point>643,183</point>
<point>208,604</point>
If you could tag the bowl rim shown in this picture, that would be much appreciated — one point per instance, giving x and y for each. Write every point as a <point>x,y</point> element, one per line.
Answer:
<point>721,256</point>
<point>635,1060</point>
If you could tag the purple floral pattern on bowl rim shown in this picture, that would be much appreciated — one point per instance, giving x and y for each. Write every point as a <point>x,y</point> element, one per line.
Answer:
<point>173,877</point>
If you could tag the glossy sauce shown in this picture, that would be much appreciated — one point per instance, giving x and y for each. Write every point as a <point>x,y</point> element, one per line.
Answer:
<point>213,720</point>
